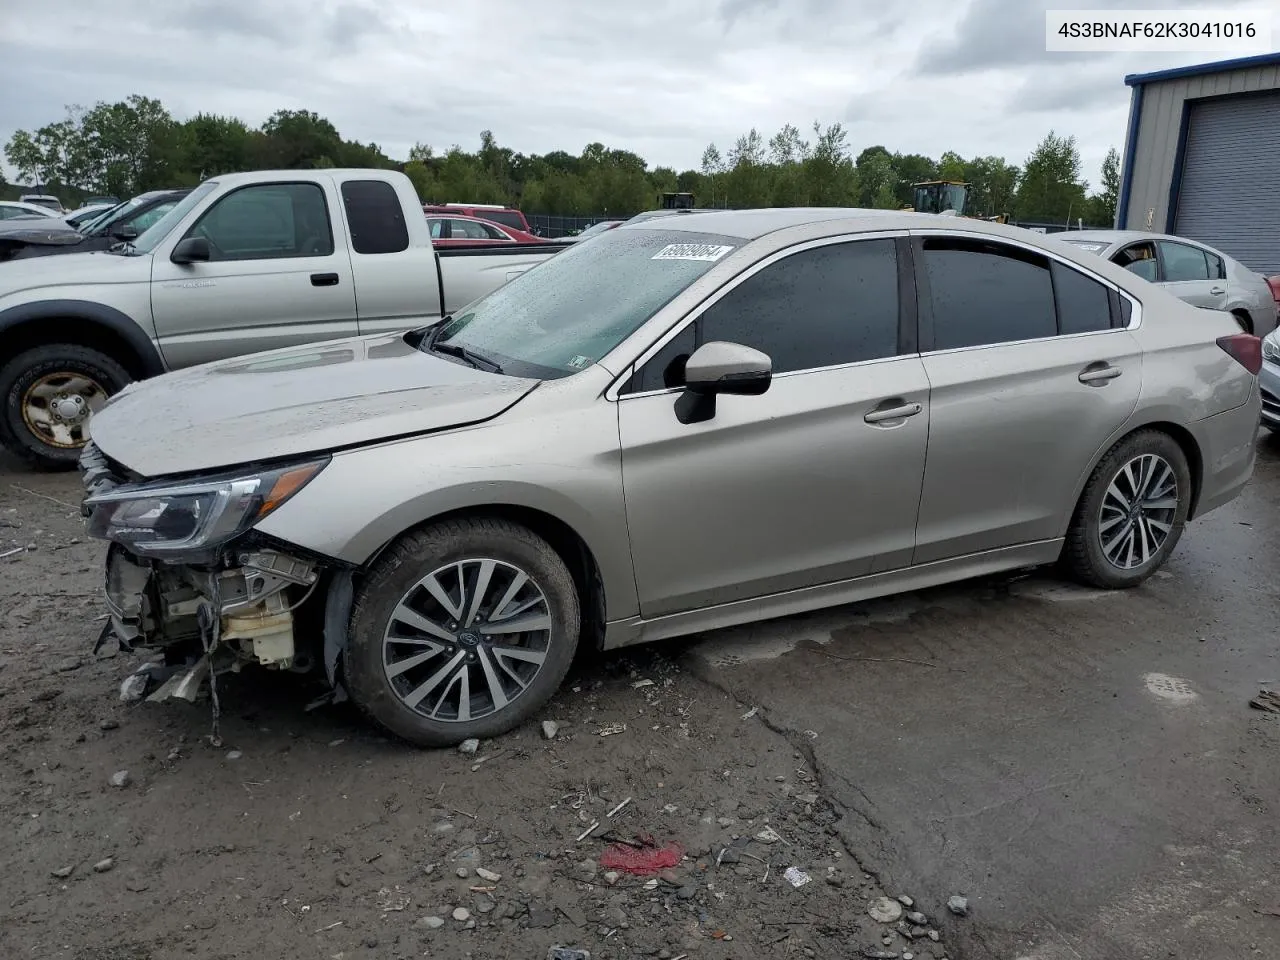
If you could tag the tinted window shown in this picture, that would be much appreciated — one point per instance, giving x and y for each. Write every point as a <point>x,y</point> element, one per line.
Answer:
<point>268,221</point>
<point>505,217</point>
<point>828,305</point>
<point>665,369</point>
<point>144,221</point>
<point>375,217</point>
<point>1083,304</point>
<point>1217,267</point>
<point>984,293</point>
<point>1183,263</point>
<point>436,227</point>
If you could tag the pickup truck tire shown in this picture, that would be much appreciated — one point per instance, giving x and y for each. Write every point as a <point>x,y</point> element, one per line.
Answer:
<point>463,629</point>
<point>48,396</point>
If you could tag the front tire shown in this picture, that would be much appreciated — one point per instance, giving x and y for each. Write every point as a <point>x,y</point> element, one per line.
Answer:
<point>1131,513</point>
<point>48,395</point>
<point>463,629</point>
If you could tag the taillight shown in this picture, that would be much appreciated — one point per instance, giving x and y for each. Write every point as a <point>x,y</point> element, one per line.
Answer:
<point>1274,284</point>
<point>1245,349</point>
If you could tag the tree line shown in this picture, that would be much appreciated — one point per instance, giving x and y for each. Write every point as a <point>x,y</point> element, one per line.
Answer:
<point>125,148</point>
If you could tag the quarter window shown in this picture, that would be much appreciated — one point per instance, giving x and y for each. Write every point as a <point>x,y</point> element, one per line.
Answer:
<point>375,217</point>
<point>986,293</point>
<point>1084,305</point>
<point>268,221</point>
<point>1183,263</point>
<point>820,307</point>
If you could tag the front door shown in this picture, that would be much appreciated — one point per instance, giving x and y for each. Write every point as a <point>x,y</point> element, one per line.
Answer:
<point>815,481</point>
<point>275,278</point>
<point>1030,378</point>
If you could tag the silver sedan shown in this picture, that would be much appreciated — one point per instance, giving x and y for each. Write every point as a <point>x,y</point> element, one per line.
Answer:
<point>687,423</point>
<point>1191,271</point>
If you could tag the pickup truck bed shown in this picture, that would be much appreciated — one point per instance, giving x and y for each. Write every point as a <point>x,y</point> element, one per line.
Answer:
<point>244,263</point>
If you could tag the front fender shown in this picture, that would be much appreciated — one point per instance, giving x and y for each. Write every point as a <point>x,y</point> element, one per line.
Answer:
<point>132,332</point>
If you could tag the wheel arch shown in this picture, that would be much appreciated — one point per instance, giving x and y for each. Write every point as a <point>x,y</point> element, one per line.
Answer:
<point>84,324</point>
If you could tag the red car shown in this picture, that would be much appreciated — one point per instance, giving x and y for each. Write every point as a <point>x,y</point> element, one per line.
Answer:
<point>503,216</point>
<point>1274,284</point>
<point>459,231</point>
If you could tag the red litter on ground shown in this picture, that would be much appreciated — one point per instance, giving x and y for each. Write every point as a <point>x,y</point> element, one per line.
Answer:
<point>642,861</point>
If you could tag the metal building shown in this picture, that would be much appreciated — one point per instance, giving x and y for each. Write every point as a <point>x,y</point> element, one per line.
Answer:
<point>1202,157</point>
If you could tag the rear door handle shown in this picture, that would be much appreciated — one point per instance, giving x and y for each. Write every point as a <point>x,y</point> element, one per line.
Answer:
<point>899,412</point>
<point>1099,373</point>
<point>324,279</point>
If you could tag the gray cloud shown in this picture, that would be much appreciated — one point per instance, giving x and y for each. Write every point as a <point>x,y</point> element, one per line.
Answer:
<point>659,77</point>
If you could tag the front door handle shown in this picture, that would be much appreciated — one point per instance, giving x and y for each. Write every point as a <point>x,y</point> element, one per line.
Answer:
<point>1217,291</point>
<point>899,412</point>
<point>1099,373</point>
<point>324,279</point>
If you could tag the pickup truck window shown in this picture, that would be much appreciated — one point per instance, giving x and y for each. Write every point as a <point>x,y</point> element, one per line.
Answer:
<point>375,217</point>
<point>571,309</point>
<point>267,221</point>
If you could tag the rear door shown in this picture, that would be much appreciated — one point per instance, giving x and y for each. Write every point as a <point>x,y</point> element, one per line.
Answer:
<point>815,481</point>
<point>1031,375</point>
<point>1186,272</point>
<point>276,276</point>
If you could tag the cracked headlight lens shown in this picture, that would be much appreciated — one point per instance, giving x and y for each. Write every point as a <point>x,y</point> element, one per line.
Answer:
<point>162,518</point>
<point>1271,347</point>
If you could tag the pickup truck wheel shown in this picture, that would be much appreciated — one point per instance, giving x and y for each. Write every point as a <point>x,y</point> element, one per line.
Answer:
<point>49,395</point>
<point>463,629</point>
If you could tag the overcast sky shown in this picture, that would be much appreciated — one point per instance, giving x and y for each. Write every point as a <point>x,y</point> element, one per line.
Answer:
<point>660,77</point>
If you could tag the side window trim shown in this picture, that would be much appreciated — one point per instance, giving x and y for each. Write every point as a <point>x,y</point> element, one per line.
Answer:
<point>925,311</point>
<point>616,389</point>
<point>324,200</point>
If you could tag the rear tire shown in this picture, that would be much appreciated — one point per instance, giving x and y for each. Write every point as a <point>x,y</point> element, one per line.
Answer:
<point>1131,513</point>
<point>1245,321</point>
<point>437,617</point>
<point>48,395</point>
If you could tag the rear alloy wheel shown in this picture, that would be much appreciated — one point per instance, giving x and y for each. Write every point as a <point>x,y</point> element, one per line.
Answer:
<point>462,630</point>
<point>1131,513</point>
<point>49,395</point>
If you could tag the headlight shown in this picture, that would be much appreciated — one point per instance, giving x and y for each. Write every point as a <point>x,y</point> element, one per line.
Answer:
<point>163,519</point>
<point>1271,347</point>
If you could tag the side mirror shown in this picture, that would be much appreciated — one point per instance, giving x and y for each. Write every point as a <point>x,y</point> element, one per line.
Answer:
<point>124,231</point>
<point>716,368</point>
<point>191,250</point>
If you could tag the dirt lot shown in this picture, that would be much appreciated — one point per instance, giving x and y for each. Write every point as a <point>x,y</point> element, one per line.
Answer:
<point>305,834</point>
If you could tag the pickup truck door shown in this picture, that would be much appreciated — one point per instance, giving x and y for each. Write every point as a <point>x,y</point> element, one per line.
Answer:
<point>278,275</point>
<point>394,266</point>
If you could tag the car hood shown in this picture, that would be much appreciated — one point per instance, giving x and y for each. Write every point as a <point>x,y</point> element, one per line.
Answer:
<point>294,402</point>
<point>71,268</point>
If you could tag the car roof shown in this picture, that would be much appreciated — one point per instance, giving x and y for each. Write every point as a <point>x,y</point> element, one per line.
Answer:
<point>753,224</point>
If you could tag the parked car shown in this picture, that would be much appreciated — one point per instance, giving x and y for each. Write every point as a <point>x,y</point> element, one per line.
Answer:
<point>14,209</point>
<point>111,227</point>
<point>105,200</point>
<point>243,263</point>
<point>592,231</point>
<point>494,213</point>
<point>44,200</point>
<point>1269,381</point>
<point>459,231</point>
<point>84,214</point>
<point>681,425</point>
<point>1191,271</point>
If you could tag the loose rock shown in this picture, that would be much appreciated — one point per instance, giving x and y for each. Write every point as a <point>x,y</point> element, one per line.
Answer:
<point>549,729</point>
<point>342,878</point>
<point>120,778</point>
<point>469,747</point>
<point>463,872</point>
<point>489,875</point>
<point>462,914</point>
<point>234,754</point>
<point>612,877</point>
<point>884,910</point>
<point>918,918</point>
<point>102,866</point>
<point>959,906</point>
<point>906,901</point>
<point>935,936</point>
<point>108,725</point>
<point>63,872</point>
<point>429,923</point>
<point>134,687</point>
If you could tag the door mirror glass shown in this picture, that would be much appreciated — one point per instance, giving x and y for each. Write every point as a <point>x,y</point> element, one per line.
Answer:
<point>720,367</point>
<point>191,250</point>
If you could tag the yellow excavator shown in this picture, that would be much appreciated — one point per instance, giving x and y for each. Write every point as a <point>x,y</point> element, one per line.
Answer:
<point>946,198</point>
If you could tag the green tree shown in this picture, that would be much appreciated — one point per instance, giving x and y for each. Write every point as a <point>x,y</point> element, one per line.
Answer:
<point>212,144</point>
<point>1102,205</point>
<point>1051,190</point>
<point>993,185</point>
<point>54,155</point>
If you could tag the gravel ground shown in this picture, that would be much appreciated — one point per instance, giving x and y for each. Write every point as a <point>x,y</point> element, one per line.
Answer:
<point>132,835</point>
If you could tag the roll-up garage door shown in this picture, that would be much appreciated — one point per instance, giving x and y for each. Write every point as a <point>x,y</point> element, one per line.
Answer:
<point>1230,192</point>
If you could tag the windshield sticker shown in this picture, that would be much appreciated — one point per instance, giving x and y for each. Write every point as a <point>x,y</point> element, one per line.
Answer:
<point>580,362</point>
<point>707,252</point>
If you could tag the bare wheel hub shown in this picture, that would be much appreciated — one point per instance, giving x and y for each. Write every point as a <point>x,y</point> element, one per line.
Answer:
<point>57,407</point>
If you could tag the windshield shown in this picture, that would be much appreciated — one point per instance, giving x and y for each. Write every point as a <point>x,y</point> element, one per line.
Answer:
<point>152,236</point>
<point>570,310</point>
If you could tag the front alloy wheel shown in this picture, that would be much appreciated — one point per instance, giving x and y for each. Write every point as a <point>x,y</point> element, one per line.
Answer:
<point>463,629</point>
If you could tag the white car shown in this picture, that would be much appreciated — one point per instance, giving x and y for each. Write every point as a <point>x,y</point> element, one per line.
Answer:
<point>44,200</point>
<point>1191,271</point>
<point>14,209</point>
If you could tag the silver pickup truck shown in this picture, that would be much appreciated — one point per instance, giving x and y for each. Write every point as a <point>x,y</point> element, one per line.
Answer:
<point>244,263</point>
